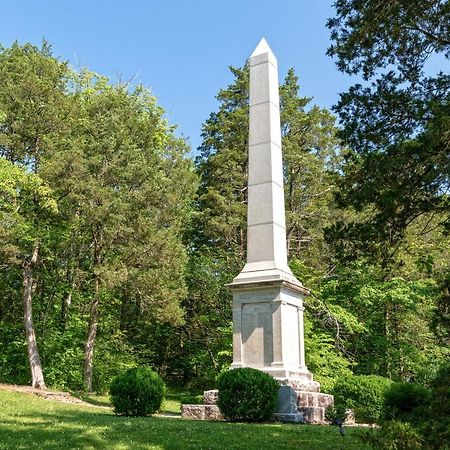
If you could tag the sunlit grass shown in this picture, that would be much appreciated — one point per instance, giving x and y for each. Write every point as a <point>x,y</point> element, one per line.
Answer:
<point>28,421</point>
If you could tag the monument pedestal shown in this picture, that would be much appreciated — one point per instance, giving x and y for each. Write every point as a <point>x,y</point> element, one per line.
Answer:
<point>268,335</point>
<point>268,326</point>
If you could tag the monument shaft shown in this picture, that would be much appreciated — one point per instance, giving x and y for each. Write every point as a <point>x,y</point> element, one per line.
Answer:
<point>266,229</point>
<point>267,298</point>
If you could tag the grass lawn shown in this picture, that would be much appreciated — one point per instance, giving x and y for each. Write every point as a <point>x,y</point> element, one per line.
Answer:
<point>171,405</point>
<point>28,421</point>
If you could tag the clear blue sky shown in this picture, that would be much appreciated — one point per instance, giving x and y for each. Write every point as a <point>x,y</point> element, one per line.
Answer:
<point>181,50</point>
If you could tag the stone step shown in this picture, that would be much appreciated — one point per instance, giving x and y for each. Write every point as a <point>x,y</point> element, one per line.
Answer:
<point>304,385</point>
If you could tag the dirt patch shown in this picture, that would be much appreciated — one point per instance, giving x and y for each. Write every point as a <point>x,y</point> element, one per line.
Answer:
<point>59,396</point>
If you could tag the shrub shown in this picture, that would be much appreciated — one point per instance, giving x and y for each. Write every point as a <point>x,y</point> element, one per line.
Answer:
<point>406,402</point>
<point>336,413</point>
<point>247,395</point>
<point>394,436</point>
<point>137,392</point>
<point>437,428</point>
<point>364,394</point>
<point>192,399</point>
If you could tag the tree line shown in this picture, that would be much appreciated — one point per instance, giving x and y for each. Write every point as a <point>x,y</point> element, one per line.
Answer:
<point>115,245</point>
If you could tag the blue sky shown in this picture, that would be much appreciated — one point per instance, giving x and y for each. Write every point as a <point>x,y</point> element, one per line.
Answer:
<point>181,50</point>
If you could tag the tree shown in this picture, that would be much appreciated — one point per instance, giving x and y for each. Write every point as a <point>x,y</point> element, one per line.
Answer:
<point>24,199</point>
<point>115,178</point>
<point>395,180</point>
<point>398,126</point>
<point>113,255</point>
<point>32,108</point>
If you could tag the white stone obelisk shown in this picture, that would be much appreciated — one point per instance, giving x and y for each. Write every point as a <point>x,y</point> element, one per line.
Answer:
<point>267,298</point>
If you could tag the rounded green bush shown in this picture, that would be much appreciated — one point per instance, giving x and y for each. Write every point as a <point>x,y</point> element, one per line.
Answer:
<point>394,435</point>
<point>137,392</point>
<point>247,395</point>
<point>406,401</point>
<point>364,394</point>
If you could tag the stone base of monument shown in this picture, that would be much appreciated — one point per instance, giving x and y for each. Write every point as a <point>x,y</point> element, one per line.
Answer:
<point>299,381</point>
<point>287,408</point>
<point>292,406</point>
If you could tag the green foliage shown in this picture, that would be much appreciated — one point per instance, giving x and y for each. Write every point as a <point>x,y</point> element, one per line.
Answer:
<point>247,395</point>
<point>364,394</point>
<point>397,126</point>
<point>13,362</point>
<point>406,402</point>
<point>86,175</point>
<point>382,324</point>
<point>193,399</point>
<point>137,392</point>
<point>323,359</point>
<point>26,205</point>
<point>394,436</point>
<point>417,417</point>
<point>437,426</point>
<point>336,413</point>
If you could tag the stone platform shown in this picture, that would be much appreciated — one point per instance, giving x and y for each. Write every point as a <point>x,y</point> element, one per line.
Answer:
<point>311,404</point>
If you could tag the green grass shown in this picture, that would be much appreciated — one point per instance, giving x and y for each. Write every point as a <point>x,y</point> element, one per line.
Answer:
<point>27,421</point>
<point>171,405</point>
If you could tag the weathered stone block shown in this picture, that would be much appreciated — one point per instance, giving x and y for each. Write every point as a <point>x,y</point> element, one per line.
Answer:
<point>196,412</point>
<point>210,397</point>
<point>212,412</point>
<point>314,399</point>
<point>313,415</point>
<point>350,419</point>
<point>201,412</point>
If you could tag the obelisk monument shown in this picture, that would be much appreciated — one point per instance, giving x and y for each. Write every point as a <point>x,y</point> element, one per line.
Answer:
<point>267,298</point>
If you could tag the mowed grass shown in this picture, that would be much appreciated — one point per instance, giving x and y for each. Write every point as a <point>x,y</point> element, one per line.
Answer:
<point>171,404</point>
<point>28,421</point>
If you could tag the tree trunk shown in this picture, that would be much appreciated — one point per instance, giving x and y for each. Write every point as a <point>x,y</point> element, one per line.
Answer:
<point>90,340</point>
<point>67,299</point>
<point>37,376</point>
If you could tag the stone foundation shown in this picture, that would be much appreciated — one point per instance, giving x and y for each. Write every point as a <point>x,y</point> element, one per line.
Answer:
<point>311,403</point>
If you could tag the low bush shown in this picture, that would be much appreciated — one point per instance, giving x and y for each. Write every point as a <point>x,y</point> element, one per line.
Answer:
<point>394,436</point>
<point>247,395</point>
<point>364,394</point>
<point>407,402</point>
<point>137,392</point>
<point>336,414</point>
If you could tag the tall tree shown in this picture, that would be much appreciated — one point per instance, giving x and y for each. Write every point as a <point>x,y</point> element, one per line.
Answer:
<point>24,201</point>
<point>32,108</point>
<point>397,127</point>
<point>394,184</point>
<point>115,178</point>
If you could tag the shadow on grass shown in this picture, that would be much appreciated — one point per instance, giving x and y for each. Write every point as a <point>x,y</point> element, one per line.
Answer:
<point>96,400</point>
